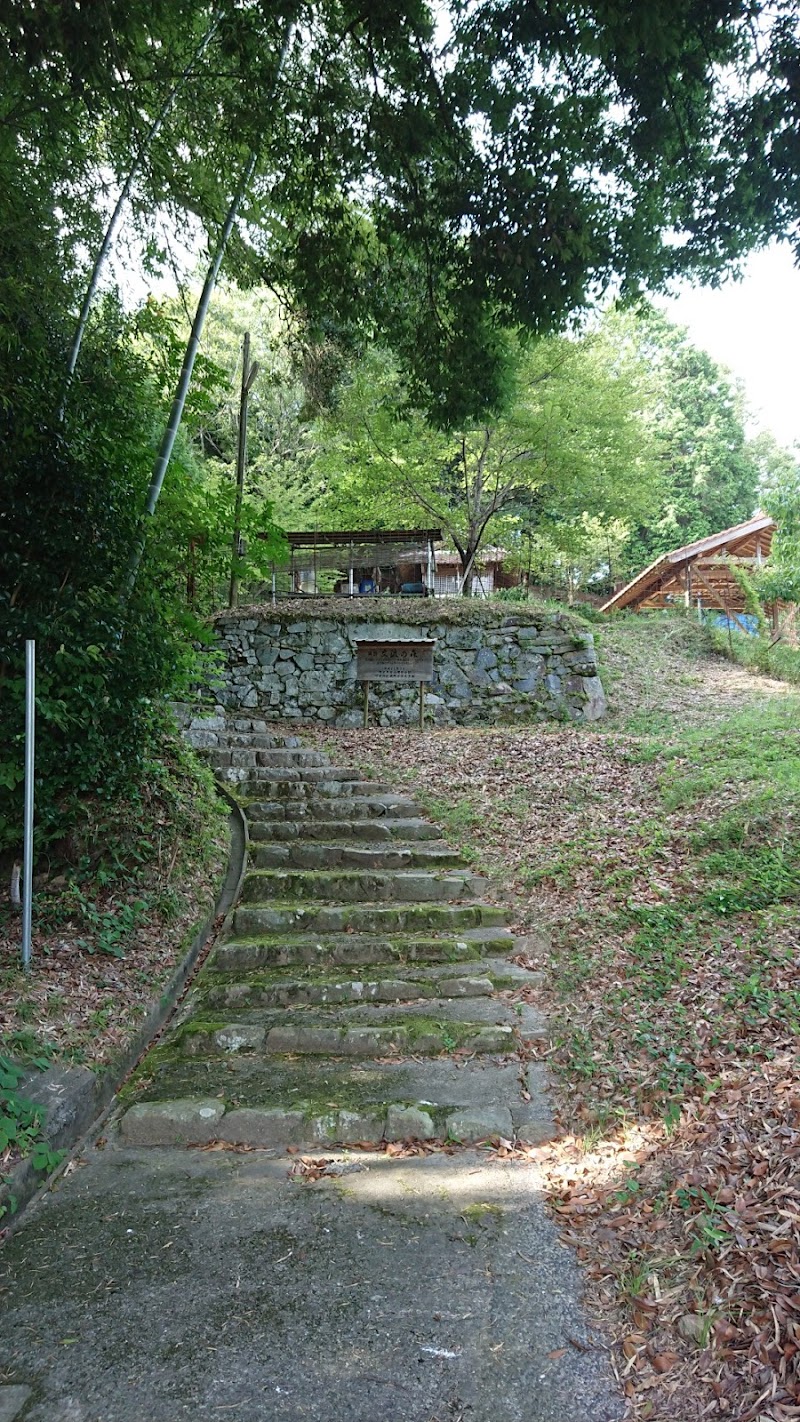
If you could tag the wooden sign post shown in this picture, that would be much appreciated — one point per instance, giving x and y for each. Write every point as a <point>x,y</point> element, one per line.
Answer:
<point>395,662</point>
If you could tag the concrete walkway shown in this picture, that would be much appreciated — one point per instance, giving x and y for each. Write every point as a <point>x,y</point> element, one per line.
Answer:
<point>221,1253</point>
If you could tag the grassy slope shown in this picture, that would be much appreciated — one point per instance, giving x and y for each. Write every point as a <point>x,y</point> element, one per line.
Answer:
<point>663,851</point>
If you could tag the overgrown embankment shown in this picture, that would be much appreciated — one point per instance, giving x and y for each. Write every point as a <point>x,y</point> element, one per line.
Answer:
<point>116,904</point>
<point>664,852</point>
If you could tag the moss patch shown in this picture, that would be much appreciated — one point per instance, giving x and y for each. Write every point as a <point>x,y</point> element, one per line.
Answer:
<point>455,612</point>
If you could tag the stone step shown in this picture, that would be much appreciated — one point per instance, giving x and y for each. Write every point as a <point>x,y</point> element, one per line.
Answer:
<point>475,1009</point>
<point>313,1102</point>
<point>250,922</point>
<point>402,1038</point>
<point>432,854</point>
<point>208,734</point>
<point>382,982</point>
<point>292,785</point>
<point>284,984</point>
<point>355,806</point>
<point>299,764</point>
<point>288,992</point>
<point>291,949</point>
<point>358,832</point>
<point>266,740</point>
<point>347,886</point>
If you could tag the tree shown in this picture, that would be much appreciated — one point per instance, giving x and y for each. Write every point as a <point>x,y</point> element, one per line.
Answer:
<point>779,495</point>
<point>569,443</point>
<point>696,413</point>
<point>284,400</point>
<point>427,177</point>
<point>432,174</point>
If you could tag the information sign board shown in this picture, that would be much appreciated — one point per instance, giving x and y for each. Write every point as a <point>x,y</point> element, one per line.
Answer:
<point>395,661</point>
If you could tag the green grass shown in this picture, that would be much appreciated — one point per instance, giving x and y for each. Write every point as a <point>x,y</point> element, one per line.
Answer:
<point>668,987</point>
<point>757,654</point>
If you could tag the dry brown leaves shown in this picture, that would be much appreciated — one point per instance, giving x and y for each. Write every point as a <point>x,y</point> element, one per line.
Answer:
<point>689,1233</point>
<point>88,1007</point>
<point>309,1168</point>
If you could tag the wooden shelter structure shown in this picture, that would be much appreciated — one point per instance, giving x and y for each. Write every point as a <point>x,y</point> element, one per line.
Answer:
<point>701,574</point>
<point>353,562</point>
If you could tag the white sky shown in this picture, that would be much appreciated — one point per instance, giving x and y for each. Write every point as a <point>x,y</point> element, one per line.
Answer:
<point>753,327</point>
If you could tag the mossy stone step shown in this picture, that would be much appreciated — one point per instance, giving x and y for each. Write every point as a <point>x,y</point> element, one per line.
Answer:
<point>302,779</point>
<point>250,922</point>
<point>390,1039</point>
<point>288,992</point>
<point>292,785</point>
<point>454,1015</point>
<point>275,986</point>
<point>384,831</point>
<point>335,855</point>
<point>313,1101</point>
<point>358,886</point>
<point>336,808</point>
<point>289,950</point>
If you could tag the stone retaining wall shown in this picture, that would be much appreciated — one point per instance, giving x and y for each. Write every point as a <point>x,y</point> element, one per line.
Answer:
<point>287,663</point>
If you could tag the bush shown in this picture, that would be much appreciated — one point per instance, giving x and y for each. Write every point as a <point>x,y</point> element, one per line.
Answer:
<point>72,490</point>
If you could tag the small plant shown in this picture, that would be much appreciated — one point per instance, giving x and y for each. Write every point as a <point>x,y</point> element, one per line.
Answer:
<point>631,1185</point>
<point>709,1226</point>
<point>21,1122</point>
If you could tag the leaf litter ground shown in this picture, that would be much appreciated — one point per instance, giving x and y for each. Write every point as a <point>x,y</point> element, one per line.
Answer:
<point>114,911</point>
<point>662,854</point>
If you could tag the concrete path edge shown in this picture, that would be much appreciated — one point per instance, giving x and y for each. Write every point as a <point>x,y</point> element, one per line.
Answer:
<point>76,1098</point>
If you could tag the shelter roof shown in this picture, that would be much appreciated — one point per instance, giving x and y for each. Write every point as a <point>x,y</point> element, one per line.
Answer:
<point>360,548</point>
<point>342,538</point>
<point>743,540</point>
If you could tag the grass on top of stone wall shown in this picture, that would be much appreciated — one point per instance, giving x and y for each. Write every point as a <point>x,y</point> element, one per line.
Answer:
<point>415,611</point>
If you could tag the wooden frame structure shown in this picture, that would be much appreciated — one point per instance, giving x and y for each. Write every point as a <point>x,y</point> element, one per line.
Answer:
<point>700,574</point>
<point>408,552</point>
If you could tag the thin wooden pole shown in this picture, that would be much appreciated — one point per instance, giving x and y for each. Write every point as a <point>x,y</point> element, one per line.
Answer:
<point>422,706</point>
<point>249,373</point>
<point>366,705</point>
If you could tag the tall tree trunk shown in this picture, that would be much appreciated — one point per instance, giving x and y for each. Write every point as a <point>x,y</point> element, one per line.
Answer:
<point>467,565</point>
<point>179,401</point>
<point>110,232</point>
<point>176,413</point>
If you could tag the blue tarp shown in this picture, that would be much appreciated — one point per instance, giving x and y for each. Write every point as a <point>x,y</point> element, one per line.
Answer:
<point>743,621</point>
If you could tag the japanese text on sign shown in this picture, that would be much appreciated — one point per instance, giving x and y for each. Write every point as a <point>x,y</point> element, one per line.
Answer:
<point>394,661</point>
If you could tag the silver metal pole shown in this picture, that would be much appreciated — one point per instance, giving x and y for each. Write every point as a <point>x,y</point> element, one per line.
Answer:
<point>27,860</point>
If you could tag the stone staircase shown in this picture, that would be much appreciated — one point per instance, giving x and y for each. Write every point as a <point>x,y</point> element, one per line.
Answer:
<point>363,988</point>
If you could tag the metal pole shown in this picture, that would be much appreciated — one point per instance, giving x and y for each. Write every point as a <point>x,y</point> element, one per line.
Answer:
<point>30,732</point>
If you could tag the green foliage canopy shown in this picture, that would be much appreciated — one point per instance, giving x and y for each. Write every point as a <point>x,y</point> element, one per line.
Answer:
<point>569,443</point>
<point>696,415</point>
<point>779,494</point>
<point>432,174</point>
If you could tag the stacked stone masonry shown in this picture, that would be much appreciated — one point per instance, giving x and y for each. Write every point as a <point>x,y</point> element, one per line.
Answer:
<point>519,668</point>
